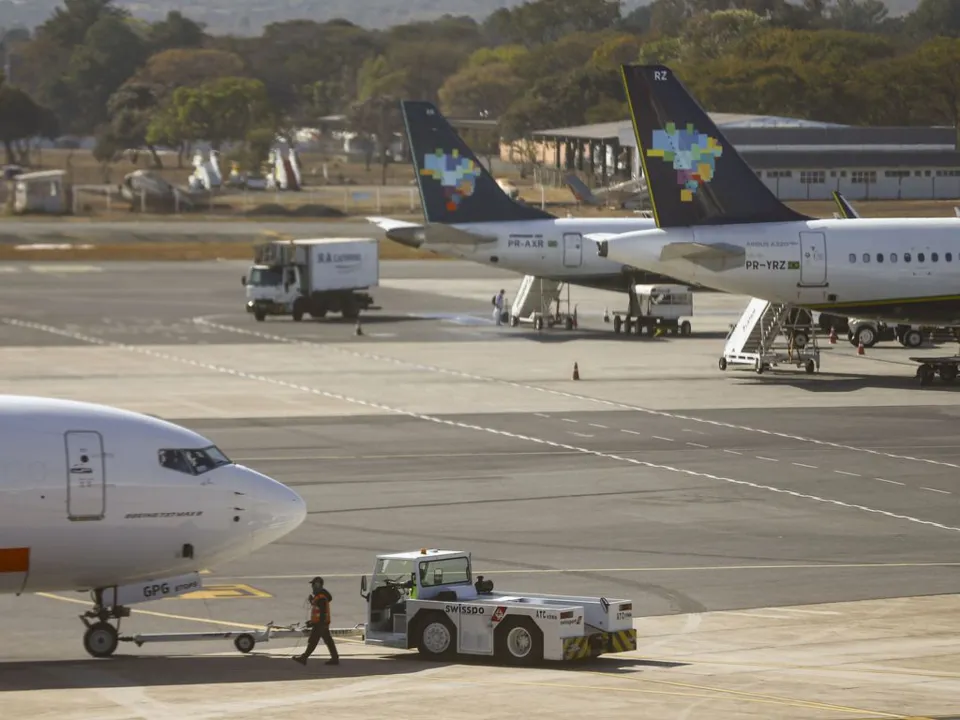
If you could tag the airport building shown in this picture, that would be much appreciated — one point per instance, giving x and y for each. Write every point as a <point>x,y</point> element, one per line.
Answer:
<point>797,159</point>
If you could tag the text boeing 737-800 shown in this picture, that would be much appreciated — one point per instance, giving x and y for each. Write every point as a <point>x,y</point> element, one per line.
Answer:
<point>127,506</point>
<point>718,225</point>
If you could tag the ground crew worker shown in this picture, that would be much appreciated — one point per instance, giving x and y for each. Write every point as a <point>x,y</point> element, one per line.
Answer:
<point>319,623</point>
<point>498,302</point>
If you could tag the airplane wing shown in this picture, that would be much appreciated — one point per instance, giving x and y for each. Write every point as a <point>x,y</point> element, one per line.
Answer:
<point>414,234</point>
<point>715,257</point>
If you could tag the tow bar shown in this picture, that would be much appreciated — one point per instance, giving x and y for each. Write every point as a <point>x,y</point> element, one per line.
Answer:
<point>243,640</point>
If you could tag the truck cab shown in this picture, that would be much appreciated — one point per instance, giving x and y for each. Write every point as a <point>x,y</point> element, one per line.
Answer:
<point>271,289</point>
<point>429,600</point>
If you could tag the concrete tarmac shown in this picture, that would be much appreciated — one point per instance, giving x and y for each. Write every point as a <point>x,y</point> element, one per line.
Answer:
<point>790,528</point>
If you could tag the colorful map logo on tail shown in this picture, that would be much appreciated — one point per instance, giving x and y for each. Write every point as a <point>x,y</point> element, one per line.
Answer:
<point>457,175</point>
<point>692,154</point>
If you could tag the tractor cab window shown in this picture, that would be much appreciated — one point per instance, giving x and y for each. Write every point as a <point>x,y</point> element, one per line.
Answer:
<point>450,571</point>
<point>192,462</point>
<point>265,277</point>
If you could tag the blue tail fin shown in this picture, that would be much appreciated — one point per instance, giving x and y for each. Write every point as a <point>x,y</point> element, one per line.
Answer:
<point>454,186</point>
<point>694,175</point>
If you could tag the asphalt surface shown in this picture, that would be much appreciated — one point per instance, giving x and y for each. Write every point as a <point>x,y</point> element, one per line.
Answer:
<point>580,514</point>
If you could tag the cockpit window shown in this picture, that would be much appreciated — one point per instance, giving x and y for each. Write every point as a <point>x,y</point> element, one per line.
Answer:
<point>193,462</point>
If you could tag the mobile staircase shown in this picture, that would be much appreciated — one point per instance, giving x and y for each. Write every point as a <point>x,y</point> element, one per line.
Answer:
<point>751,341</point>
<point>535,300</point>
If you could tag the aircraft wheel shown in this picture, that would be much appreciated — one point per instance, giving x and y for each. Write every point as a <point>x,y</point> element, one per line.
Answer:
<point>809,367</point>
<point>948,373</point>
<point>913,338</point>
<point>617,324</point>
<point>723,363</point>
<point>244,643</point>
<point>101,640</point>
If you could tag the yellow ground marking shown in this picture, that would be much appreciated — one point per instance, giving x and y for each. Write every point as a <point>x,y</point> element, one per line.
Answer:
<point>224,592</point>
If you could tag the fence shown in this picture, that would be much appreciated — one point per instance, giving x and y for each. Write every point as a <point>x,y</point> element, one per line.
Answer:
<point>308,202</point>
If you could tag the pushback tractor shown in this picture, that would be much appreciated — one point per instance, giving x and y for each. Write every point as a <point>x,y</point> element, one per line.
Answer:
<point>429,601</point>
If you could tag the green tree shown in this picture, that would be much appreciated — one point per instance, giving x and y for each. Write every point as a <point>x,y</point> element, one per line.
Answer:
<point>938,73</point>
<point>111,52</point>
<point>376,113</point>
<point>69,25</point>
<point>219,111</point>
<point>935,17</point>
<point>481,90</point>
<point>859,15</point>
<point>21,119</point>
<point>709,35</point>
<point>175,31</point>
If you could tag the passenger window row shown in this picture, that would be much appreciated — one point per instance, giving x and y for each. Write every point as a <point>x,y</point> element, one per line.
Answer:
<point>907,257</point>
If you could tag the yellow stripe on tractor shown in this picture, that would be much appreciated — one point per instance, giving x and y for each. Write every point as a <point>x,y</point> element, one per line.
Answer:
<point>595,644</point>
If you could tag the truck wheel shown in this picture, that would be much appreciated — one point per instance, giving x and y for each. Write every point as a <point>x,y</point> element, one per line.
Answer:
<point>800,339</point>
<point>297,311</point>
<point>866,335</point>
<point>685,328</point>
<point>438,637</point>
<point>260,315</point>
<point>948,373</point>
<point>617,324</point>
<point>912,338</point>
<point>519,641</point>
<point>244,643</point>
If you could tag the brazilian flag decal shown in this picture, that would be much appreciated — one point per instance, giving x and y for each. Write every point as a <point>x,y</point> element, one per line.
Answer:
<point>793,265</point>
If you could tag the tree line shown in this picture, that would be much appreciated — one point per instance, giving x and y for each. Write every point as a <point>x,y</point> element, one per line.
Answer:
<point>93,69</point>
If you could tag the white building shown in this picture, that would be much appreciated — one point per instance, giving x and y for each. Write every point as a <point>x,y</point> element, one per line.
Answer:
<point>797,159</point>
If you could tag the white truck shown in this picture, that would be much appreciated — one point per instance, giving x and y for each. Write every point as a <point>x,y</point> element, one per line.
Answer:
<point>429,600</point>
<point>656,306</point>
<point>313,277</point>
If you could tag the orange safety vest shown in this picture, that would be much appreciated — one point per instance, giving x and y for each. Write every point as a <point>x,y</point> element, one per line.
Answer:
<point>315,611</point>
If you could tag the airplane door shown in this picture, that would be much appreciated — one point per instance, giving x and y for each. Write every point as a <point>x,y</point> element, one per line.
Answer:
<point>813,259</point>
<point>86,486</point>
<point>572,249</point>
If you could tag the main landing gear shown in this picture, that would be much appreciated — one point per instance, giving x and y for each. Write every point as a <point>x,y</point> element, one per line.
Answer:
<point>101,638</point>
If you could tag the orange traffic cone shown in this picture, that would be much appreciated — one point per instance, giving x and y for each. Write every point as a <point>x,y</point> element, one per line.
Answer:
<point>576,372</point>
<point>833,336</point>
<point>860,350</point>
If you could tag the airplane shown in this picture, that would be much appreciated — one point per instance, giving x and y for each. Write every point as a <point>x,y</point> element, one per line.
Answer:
<point>629,195</point>
<point>469,216</point>
<point>720,226</point>
<point>126,506</point>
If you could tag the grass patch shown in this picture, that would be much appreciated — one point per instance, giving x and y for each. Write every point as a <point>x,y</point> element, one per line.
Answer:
<point>174,251</point>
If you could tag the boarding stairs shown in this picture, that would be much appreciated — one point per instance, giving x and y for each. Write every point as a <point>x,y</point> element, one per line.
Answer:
<point>535,301</point>
<point>751,341</point>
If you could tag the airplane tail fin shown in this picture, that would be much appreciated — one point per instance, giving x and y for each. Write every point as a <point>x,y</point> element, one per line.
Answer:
<point>580,190</point>
<point>846,209</point>
<point>694,175</point>
<point>454,186</point>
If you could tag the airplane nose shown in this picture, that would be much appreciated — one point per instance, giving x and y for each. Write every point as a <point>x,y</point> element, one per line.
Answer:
<point>277,509</point>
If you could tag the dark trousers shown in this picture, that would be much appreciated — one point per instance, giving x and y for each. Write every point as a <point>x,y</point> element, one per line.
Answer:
<point>320,632</point>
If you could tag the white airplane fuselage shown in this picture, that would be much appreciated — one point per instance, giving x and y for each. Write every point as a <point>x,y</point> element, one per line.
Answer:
<point>85,502</point>
<point>554,248</point>
<point>894,269</point>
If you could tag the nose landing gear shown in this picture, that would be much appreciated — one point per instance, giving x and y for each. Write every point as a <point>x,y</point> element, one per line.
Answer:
<point>101,638</point>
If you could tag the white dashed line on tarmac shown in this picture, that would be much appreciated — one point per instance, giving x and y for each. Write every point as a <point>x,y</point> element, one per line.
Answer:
<point>579,434</point>
<point>543,415</point>
<point>273,380</point>
<point>804,465</point>
<point>844,472</point>
<point>597,425</point>
<point>568,420</point>
<point>656,437</point>
<point>634,432</point>
<point>892,482</point>
<point>945,492</point>
<point>761,457</point>
<point>693,444</point>
<point>733,452</point>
